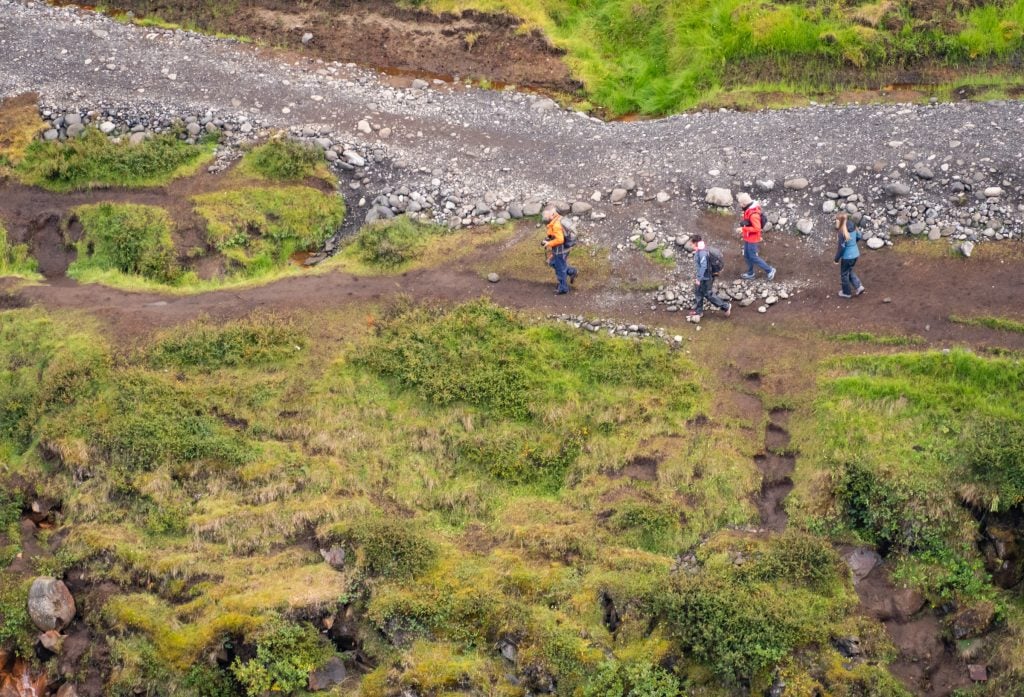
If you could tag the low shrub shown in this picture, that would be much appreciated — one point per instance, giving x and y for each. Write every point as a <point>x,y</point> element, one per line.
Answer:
<point>126,237</point>
<point>93,160</point>
<point>393,548</point>
<point>283,160</point>
<point>631,680</point>
<point>285,655</point>
<point>649,526</point>
<point>390,244</point>
<point>993,452</point>
<point>254,341</point>
<point>16,629</point>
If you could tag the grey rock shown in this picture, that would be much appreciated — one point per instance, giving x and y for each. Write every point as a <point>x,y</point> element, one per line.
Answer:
<point>193,129</point>
<point>136,138</point>
<point>419,84</point>
<point>532,208</point>
<point>515,209</point>
<point>306,38</point>
<point>845,192</point>
<point>51,134</point>
<point>862,562</point>
<point>544,105</point>
<point>581,207</point>
<point>107,127</point>
<point>917,228</point>
<point>618,195</point>
<point>924,171</point>
<point>804,226</point>
<point>334,556</point>
<point>765,184</point>
<point>50,604</point>
<point>354,158</point>
<point>629,184</point>
<point>493,277</point>
<point>718,196</point>
<point>75,130</point>
<point>72,119</point>
<point>651,246</point>
<point>796,184</point>
<point>330,674</point>
<point>993,192</point>
<point>663,197</point>
<point>967,248</point>
<point>828,206</point>
<point>364,127</point>
<point>897,188</point>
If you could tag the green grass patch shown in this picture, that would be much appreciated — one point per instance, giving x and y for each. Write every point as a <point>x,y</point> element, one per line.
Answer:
<point>15,259</point>
<point>95,161</point>
<point>899,444</point>
<point>258,229</point>
<point>127,238</point>
<point>285,160</point>
<point>20,125</point>
<point>1002,324</point>
<point>656,58</point>
<point>879,339</point>
<point>254,341</point>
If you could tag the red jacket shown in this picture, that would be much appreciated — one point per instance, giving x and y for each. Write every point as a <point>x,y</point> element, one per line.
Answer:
<point>752,222</point>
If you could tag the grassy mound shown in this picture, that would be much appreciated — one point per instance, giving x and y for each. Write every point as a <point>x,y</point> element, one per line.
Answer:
<point>659,57</point>
<point>258,229</point>
<point>15,259</point>
<point>126,239</point>
<point>284,160</point>
<point>391,245</point>
<point>94,161</point>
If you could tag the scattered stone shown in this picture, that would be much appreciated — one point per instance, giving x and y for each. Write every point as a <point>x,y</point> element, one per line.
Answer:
<point>52,640</point>
<point>765,185</point>
<point>993,192</point>
<point>762,309</point>
<point>364,127</point>
<point>50,604</point>
<point>897,188</point>
<point>580,207</point>
<point>494,278</point>
<point>862,561</point>
<point>306,38</point>
<point>531,208</point>
<point>618,195</point>
<point>966,248</point>
<point>663,197</point>
<point>419,84</point>
<point>805,226</point>
<point>796,184</point>
<point>828,206</point>
<point>875,243</point>
<point>334,556</point>
<point>978,672</point>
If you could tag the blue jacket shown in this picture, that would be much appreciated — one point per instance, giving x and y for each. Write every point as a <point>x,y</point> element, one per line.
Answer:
<point>847,248</point>
<point>700,258</point>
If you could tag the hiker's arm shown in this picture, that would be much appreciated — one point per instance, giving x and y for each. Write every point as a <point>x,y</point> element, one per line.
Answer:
<point>557,238</point>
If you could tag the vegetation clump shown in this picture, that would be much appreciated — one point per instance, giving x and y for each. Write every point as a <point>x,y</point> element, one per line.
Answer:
<point>128,238</point>
<point>258,229</point>
<point>254,341</point>
<point>94,161</point>
<point>285,655</point>
<point>15,259</point>
<point>284,160</point>
<point>391,244</point>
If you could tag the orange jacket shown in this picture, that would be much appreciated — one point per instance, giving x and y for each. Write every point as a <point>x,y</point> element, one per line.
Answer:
<point>752,222</point>
<point>556,235</point>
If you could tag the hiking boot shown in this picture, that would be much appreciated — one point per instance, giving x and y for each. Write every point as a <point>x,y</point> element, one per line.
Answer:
<point>859,290</point>
<point>728,310</point>
<point>563,292</point>
<point>771,275</point>
<point>747,276</point>
<point>572,278</point>
<point>693,317</point>
<point>841,294</point>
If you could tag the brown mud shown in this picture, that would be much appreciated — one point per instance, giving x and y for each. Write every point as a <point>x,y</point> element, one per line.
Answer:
<point>404,42</point>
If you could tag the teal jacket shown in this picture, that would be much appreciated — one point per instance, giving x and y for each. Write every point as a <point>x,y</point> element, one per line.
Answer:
<point>847,248</point>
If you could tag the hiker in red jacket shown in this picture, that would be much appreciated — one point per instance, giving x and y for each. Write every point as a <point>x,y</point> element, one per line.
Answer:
<point>751,232</point>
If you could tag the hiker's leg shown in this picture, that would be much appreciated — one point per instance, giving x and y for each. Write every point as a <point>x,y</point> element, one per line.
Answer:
<point>845,271</point>
<point>698,298</point>
<point>756,258</point>
<point>714,299</point>
<point>854,280</point>
<point>559,265</point>
<point>749,253</point>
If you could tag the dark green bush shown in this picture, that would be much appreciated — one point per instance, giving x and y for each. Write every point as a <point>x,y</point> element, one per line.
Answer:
<point>206,681</point>
<point>390,547</point>
<point>16,629</point>
<point>285,655</point>
<point>285,160</point>
<point>257,340</point>
<point>631,680</point>
<point>388,244</point>
<point>650,526</point>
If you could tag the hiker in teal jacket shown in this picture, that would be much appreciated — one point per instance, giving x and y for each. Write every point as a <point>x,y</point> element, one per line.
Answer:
<point>847,253</point>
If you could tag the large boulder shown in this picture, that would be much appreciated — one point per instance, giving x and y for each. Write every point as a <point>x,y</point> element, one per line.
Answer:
<point>330,674</point>
<point>50,604</point>
<point>718,196</point>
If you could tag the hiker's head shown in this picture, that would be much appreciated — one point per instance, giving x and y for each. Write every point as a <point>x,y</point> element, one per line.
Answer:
<point>698,242</point>
<point>548,214</point>
<point>841,221</point>
<point>743,198</point>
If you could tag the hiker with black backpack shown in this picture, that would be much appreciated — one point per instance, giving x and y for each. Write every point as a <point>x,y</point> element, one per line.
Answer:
<point>561,238</point>
<point>750,231</point>
<point>709,263</point>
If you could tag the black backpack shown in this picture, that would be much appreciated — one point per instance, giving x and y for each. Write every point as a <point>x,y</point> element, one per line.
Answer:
<point>568,233</point>
<point>716,262</point>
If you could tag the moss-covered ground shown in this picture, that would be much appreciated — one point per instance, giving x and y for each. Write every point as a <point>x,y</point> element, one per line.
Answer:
<point>508,497</point>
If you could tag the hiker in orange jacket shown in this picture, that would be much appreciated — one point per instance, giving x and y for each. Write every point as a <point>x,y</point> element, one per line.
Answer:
<point>750,231</point>
<point>558,253</point>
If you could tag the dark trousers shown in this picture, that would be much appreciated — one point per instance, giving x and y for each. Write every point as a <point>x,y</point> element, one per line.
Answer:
<point>704,292</point>
<point>847,277</point>
<point>560,263</point>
